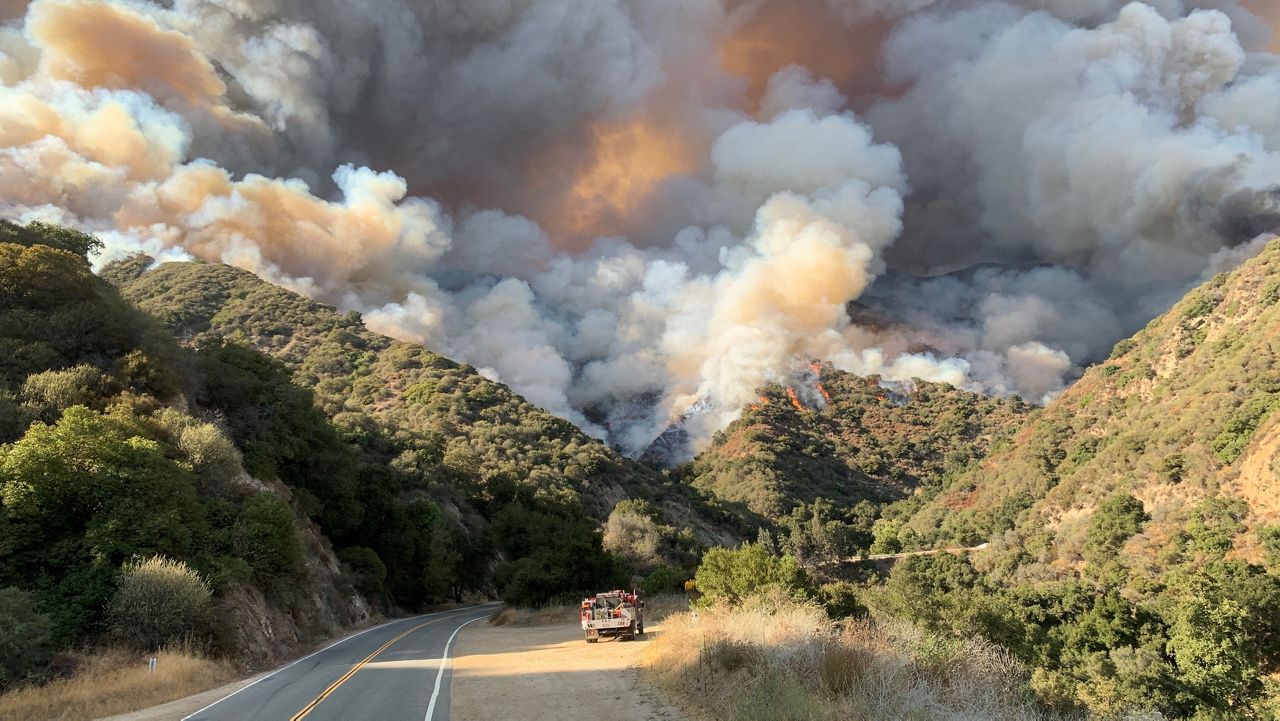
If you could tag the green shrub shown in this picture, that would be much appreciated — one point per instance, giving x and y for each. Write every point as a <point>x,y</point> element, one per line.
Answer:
<point>1270,538</point>
<point>46,394</point>
<point>25,636</point>
<point>1215,523</point>
<point>732,576</point>
<point>265,535</point>
<point>662,580</point>
<point>367,570</point>
<point>634,536</point>
<point>1115,521</point>
<point>841,599</point>
<point>1238,430</point>
<point>213,456</point>
<point>159,601</point>
<point>1200,304</point>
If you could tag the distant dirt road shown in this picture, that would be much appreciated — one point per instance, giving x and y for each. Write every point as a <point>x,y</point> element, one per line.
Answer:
<point>549,673</point>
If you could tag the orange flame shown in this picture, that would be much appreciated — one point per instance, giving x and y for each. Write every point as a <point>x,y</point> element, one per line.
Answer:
<point>795,401</point>
<point>817,372</point>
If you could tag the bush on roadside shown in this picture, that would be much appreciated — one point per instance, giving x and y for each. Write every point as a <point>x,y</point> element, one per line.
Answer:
<point>159,601</point>
<point>25,636</point>
<point>734,575</point>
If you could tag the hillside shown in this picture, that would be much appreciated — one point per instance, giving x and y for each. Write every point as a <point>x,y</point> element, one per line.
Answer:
<point>1181,412</point>
<point>292,472</point>
<point>1134,560</point>
<point>439,422</point>
<point>849,439</point>
<point>104,462</point>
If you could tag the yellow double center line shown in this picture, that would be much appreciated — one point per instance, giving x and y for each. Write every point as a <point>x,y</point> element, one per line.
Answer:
<point>352,671</point>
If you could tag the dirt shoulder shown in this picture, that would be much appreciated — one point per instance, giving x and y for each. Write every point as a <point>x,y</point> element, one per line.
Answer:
<point>549,673</point>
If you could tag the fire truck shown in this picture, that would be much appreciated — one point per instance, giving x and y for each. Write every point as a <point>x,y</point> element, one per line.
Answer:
<point>616,613</point>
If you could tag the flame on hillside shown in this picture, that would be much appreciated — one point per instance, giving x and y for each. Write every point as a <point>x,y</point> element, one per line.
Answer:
<point>817,375</point>
<point>795,401</point>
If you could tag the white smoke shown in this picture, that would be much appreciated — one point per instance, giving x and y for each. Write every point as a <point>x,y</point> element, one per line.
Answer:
<point>1085,161</point>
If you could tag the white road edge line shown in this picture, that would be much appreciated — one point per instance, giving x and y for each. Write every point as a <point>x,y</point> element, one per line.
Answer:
<point>444,659</point>
<point>326,648</point>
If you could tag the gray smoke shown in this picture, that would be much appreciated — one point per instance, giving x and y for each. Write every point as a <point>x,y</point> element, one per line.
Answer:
<point>580,198</point>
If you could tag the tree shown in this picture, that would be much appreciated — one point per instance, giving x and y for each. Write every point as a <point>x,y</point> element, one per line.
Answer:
<point>731,576</point>
<point>264,535</point>
<point>555,550</point>
<point>1215,523</point>
<point>1117,520</point>
<point>25,635</point>
<point>1270,538</point>
<point>82,497</point>
<point>159,601</point>
<point>366,569</point>
<point>634,536</point>
<point>54,236</point>
<point>1208,643</point>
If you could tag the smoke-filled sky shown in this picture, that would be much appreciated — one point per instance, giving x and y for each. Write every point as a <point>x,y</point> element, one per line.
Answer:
<point>623,208</point>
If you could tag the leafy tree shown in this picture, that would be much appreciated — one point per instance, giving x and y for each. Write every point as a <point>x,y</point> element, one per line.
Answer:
<point>367,570</point>
<point>265,537</point>
<point>1215,523</point>
<point>25,635</point>
<point>1270,538</point>
<point>555,550</point>
<point>1115,521</point>
<point>733,575</point>
<point>1207,642</point>
<point>54,236</point>
<point>82,497</point>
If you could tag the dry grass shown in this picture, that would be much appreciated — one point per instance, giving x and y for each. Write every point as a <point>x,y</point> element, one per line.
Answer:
<point>114,682</point>
<point>783,661</point>
<point>656,608</point>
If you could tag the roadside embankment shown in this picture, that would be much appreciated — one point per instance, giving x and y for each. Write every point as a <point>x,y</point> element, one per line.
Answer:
<point>778,660</point>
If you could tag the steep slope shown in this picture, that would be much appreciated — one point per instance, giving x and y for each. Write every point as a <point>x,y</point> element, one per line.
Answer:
<point>104,460</point>
<point>848,439</point>
<point>440,423</point>
<point>1134,559</point>
<point>1181,412</point>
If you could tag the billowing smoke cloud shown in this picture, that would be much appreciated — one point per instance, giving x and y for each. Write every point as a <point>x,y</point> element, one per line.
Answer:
<point>634,212</point>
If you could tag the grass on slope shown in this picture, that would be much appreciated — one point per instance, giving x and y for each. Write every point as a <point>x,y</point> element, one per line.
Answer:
<point>115,681</point>
<point>777,660</point>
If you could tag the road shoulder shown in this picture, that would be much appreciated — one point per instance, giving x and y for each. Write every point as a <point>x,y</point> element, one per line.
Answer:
<point>548,673</point>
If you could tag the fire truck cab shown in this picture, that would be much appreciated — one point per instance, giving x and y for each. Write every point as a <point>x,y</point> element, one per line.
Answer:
<point>615,613</point>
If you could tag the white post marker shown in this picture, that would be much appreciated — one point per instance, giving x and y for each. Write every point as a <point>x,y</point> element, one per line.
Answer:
<point>151,664</point>
<point>444,659</point>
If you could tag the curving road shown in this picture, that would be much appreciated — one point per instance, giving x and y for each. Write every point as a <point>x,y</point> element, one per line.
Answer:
<point>398,671</point>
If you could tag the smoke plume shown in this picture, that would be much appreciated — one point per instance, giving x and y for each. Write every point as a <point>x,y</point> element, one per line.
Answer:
<point>637,212</point>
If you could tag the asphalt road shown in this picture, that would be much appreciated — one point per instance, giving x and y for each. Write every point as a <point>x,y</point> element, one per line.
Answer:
<point>398,671</point>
